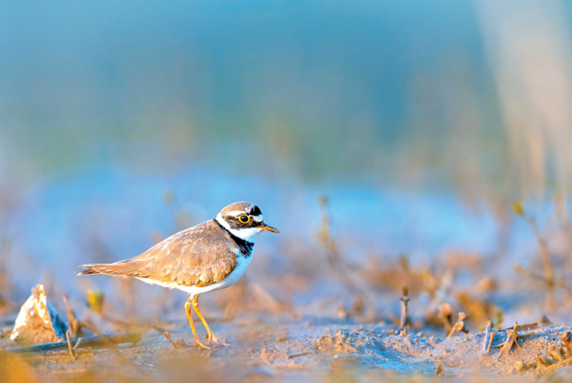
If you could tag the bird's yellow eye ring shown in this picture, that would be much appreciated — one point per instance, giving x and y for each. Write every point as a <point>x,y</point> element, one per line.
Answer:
<point>244,218</point>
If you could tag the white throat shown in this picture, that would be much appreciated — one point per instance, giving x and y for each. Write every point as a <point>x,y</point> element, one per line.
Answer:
<point>247,234</point>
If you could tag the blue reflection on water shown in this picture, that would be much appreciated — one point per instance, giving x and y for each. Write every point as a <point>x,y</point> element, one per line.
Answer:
<point>66,220</point>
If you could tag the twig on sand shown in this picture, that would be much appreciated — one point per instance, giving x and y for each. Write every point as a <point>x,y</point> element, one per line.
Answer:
<point>76,325</point>
<point>542,361</point>
<point>555,366</point>
<point>556,358</point>
<point>176,344</point>
<point>72,319</point>
<point>299,354</point>
<point>404,312</point>
<point>92,341</point>
<point>555,354</point>
<point>446,315</point>
<point>520,366</point>
<point>70,348</point>
<point>511,340</point>
<point>489,335</point>
<point>522,327</point>
<point>566,340</point>
<point>459,325</point>
<point>507,345</point>
<point>490,343</point>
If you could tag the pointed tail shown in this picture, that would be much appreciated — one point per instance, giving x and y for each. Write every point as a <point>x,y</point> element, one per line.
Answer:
<point>128,268</point>
<point>89,270</point>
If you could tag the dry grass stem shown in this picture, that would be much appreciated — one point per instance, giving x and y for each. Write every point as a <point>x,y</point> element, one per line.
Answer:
<point>521,366</point>
<point>439,371</point>
<point>512,337</point>
<point>336,261</point>
<point>446,316</point>
<point>555,354</point>
<point>550,369</point>
<point>566,340</point>
<point>176,344</point>
<point>546,262</point>
<point>70,348</point>
<point>459,325</point>
<point>522,327</point>
<point>75,324</point>
<point>490,343</point>
<point>404,311</point>
<point>487,341</point>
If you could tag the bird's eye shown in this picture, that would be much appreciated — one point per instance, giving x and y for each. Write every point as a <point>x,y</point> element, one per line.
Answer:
<point>244,218</point>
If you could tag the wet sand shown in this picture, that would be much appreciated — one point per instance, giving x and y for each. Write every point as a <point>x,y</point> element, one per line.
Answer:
<point>274,348</point>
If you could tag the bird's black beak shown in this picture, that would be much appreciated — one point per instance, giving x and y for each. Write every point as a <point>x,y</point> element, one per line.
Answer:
<point>265,227</point>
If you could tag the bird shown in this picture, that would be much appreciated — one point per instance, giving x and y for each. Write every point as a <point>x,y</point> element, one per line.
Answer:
<point>207,257</point>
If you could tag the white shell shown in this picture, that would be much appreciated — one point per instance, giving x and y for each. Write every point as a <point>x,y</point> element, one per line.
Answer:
<point>38,321</point>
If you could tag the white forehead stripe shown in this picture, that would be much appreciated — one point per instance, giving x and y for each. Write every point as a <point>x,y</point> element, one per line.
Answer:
<point>258,218</point>
<point>236,213</point>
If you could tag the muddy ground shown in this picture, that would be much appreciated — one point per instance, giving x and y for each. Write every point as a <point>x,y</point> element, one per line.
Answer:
<point>281,348</point>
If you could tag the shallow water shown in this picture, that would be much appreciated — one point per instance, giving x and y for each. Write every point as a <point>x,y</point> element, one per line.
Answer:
<point>111,215</point>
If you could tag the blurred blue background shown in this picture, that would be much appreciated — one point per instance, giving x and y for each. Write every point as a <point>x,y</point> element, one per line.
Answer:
<point>317,88</point>
<point>121,123</point>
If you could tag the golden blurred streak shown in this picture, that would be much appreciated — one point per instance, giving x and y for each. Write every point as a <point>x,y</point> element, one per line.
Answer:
<point>14,369</point>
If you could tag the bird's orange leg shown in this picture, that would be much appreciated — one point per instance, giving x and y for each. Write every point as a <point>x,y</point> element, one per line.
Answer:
<point>189,315</point>
<point>211,336</point>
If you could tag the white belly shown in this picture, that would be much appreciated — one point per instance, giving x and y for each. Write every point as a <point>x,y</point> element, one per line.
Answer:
<point>241,266</point>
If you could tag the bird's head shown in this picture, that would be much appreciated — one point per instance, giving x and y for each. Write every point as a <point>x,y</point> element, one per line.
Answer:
<point>244,220</point>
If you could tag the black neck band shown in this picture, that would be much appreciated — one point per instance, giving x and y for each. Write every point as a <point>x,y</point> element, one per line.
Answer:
<point>244,246</point>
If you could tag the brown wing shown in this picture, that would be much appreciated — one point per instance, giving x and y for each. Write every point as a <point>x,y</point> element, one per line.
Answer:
<point>198,256</point>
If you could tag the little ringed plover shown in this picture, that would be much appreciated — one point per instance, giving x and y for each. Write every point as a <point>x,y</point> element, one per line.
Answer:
<point>210,256</point>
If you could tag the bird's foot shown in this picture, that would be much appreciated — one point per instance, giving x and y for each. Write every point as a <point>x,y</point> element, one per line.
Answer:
<point>212,338</point>
<point>198,343</point>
